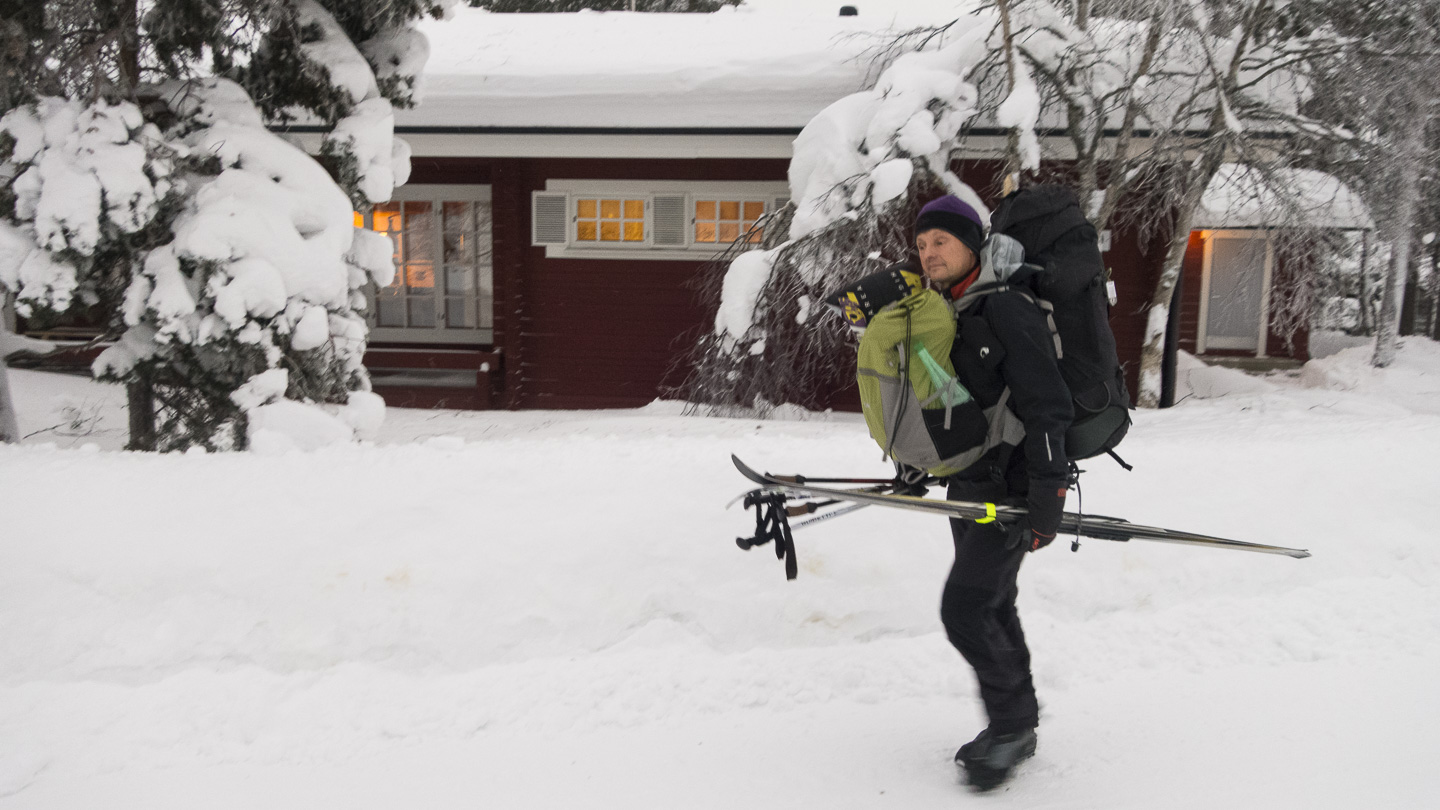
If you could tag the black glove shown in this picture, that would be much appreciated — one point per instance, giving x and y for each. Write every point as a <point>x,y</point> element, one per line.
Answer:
<point>910,481</point>
<point>1045,505</point>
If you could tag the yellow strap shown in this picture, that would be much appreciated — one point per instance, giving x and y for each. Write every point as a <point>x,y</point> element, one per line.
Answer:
<point>989,514</point>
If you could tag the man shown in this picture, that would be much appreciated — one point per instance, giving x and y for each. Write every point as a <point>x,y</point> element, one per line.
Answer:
<point>978,605</point>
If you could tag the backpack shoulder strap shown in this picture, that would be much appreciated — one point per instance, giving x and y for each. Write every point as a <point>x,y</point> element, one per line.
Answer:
<point>975,296</point>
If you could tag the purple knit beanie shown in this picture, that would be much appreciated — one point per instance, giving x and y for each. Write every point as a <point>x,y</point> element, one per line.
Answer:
<point>955,216</point>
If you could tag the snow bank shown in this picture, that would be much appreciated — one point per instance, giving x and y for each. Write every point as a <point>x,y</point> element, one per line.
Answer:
<point>1194,378</point>
<point>1412,381</point>
<point>285,425</point>
<point>1410,386</point>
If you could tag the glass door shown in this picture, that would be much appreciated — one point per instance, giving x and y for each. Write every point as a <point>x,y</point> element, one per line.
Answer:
<point>444,277</point>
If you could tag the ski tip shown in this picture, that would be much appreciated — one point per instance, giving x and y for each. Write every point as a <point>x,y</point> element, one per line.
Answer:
<point>746,471</point>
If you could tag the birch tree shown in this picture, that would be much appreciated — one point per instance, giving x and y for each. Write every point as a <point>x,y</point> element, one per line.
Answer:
<point>1383,87</point>
<point>1231,81</point>
<point>1154,98</point>
<point>1098,75</point>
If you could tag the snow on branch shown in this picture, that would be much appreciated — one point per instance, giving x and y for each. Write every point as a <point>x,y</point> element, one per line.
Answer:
<point>858,170</point>
<point>846,156</point>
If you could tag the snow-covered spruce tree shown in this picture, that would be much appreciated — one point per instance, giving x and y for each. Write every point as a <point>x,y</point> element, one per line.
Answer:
<point>860,170</point>
<point>141,179</point>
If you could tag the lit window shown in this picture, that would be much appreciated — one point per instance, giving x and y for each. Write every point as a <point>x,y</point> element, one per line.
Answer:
<point>442,263</point>
<point>725,221</point>
<point>609,220</point>
<point>650,219</point>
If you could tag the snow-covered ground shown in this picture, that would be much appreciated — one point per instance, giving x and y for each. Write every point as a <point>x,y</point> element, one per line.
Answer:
<point>546,610</point>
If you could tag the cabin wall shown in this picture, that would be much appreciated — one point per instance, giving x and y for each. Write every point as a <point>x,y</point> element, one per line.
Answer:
<point>587,333</point>
<point>607,333</point>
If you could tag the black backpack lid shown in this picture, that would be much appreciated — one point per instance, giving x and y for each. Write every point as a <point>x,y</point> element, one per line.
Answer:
<point>1031,202</point>
<point>1037,216</point>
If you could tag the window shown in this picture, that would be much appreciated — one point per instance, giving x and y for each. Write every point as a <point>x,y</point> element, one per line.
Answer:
<point>723,222</point>
<point>443,287</point>
<point>609,220</point>
<point>650,219</point>
<point>727,221</point>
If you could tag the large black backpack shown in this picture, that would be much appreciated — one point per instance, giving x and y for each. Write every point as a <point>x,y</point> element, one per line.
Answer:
<point>1047,221</point>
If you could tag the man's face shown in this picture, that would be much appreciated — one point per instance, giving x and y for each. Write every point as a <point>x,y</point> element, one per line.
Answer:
<point>944,258</point>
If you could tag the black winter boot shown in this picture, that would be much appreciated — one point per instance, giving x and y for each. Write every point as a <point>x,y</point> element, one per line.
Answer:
<point>989,758</point>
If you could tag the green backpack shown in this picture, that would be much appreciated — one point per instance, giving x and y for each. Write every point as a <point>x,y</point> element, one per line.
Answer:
<point>915,408</point>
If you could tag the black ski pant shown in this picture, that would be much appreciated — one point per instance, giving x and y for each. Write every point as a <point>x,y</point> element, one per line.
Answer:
<point>978,609</point>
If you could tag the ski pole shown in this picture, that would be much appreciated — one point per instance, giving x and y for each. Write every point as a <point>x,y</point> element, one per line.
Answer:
<point>806,479</point>
<point>837,513</point>
<point>878,482</point>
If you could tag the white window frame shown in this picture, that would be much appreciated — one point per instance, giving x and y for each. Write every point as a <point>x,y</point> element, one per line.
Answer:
<point>436,193</point>
<point>1202,340</point>
<point>768,191</point>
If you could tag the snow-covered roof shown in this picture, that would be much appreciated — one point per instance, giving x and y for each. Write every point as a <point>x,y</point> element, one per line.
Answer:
<point>766,64</point>
<point>1241,197</point>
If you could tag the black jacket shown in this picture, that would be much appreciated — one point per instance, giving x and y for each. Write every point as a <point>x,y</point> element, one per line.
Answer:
<point>1004,339</point>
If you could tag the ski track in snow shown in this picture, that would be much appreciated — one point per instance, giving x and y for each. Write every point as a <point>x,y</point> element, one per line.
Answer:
<point>490,608</point>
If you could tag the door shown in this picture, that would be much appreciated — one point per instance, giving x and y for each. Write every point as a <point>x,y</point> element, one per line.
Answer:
<point>444,281</point>
<point>1237,278</point>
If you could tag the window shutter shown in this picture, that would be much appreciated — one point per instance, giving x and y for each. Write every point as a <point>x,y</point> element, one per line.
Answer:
<point>780,202</point>
<point>668,220</point>
<point>549,219</point>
